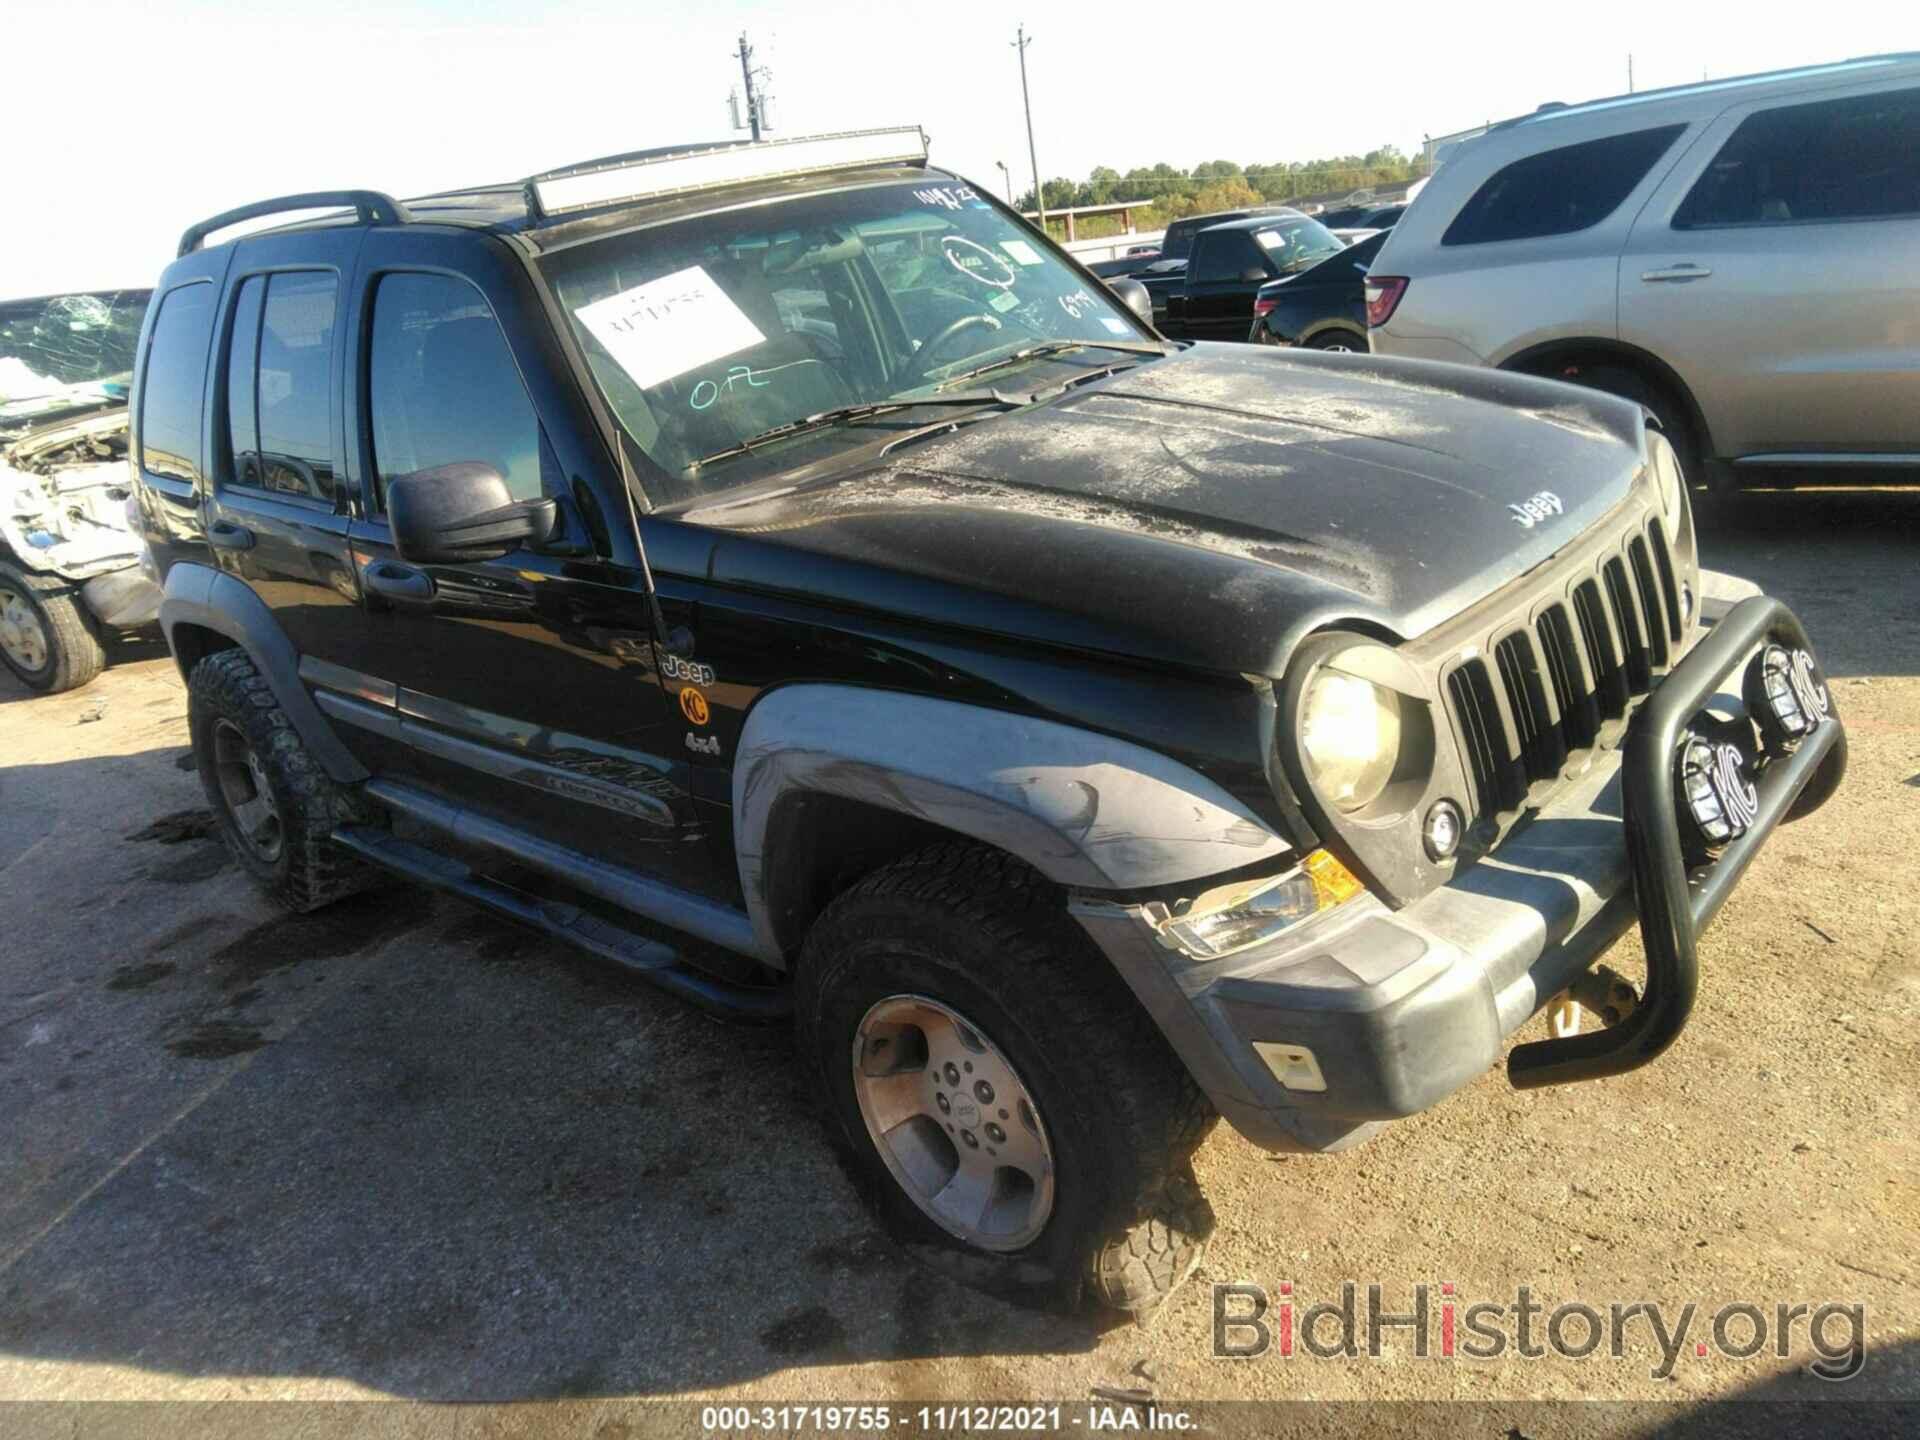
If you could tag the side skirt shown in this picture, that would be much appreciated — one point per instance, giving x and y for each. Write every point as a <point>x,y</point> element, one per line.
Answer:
<point>649,959</point>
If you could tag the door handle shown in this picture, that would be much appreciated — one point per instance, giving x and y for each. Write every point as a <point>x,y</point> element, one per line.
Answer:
<point>1676,272</point>
<point>401,584</point>
<point>225,535</point>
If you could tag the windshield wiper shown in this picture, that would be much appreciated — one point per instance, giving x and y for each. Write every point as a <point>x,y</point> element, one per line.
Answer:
<point>1055,347</point>
<point>840,413</point>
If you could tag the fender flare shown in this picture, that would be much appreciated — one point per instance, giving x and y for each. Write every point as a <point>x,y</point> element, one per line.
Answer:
<point>1086,810</point>
<point>202,596</point>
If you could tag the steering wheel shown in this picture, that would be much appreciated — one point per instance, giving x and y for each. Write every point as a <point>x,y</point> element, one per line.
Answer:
<point>946,333</point>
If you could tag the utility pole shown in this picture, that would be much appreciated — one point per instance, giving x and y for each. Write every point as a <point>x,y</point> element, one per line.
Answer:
<point>753,97</point>
<point>1020,43</point>
<point>1629,72</point>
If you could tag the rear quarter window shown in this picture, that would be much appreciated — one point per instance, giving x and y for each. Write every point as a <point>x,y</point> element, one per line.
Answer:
<point>173,385</point>
<point>1559,192</point>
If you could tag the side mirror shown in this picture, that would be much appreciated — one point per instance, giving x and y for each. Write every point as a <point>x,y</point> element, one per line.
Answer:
<point>1135,296</point>
<point>459,513</point>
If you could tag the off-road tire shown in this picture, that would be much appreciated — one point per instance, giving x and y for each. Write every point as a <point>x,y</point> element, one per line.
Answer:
<point>310,870</point>
<point>74,653</point>
<point>978,931</point>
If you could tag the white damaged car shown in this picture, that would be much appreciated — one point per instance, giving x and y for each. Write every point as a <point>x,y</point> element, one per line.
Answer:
<point>70,568</point>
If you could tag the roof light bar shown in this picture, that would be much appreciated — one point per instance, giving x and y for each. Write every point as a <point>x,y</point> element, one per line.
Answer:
<point>619,181</point>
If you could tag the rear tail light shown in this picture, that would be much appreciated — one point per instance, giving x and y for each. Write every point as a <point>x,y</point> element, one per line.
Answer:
<point>1383,295</point>
<point>1263,303</point>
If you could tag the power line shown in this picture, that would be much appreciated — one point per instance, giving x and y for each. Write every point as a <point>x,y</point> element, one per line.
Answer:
<point>1020,43</point>
<point>756,101</point>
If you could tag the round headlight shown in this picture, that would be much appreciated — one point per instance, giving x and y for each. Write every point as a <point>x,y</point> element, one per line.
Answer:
<point>1669,478</point>
<point>1350,737</point>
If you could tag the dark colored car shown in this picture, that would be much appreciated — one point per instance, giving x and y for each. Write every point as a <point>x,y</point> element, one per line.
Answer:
<point>1211,296</point>
<point>1324,307</point>
<point>778,571</point>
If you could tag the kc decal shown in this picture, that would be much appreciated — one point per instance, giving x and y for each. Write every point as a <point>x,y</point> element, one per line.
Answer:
<point>693,705</point>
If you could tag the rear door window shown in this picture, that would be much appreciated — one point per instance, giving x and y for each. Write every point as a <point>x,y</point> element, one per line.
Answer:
<point>1559,192</point>
<point>174,383</point>
<point>1856,158</point>
<point>444,387</point>
<point>295,395</point>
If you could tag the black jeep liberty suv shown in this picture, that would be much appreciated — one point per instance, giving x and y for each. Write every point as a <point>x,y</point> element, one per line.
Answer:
<point>778,569</point>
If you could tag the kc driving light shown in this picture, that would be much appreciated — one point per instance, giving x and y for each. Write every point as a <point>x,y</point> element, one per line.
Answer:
<point>1235,917</point>
<point>1350,736</point>
<point>1714,793</point>
<point>1785,696</point>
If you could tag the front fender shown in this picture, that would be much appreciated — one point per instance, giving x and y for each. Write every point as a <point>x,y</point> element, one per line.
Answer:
<point>1086,810</point>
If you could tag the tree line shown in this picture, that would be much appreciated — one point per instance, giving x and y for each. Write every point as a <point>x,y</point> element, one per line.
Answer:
<point>1219,185</point>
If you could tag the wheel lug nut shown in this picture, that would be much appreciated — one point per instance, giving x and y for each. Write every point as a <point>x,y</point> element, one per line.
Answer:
<point>983,1092</point>
<point>970,1139</point>
<point>996,1134</point>
<point>952,1072</point>
<point>946,1106</point>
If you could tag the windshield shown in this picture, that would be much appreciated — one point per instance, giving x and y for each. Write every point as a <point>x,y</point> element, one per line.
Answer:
<point>1296,243</point>
<point>68,348</point>
<point>712,331</point>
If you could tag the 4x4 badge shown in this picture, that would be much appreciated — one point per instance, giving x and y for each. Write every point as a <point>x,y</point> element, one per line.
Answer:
<point>1542,505</point>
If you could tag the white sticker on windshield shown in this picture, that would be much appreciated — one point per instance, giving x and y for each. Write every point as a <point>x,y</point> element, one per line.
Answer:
<point>1022,251</point>
<point>1270,239</point>
<point>1115,327</point>
<point>669,326</point>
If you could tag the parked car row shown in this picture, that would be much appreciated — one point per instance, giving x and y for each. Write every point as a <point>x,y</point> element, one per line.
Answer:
<point>1742,257</point>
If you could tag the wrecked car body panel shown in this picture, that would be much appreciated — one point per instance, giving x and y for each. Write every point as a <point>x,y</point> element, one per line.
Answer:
<point>65,364</point>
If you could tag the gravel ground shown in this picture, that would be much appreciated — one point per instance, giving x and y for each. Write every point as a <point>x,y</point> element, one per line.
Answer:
<point>402,1149</point>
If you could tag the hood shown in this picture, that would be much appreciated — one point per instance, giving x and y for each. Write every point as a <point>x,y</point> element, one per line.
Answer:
<point>1212,507</point>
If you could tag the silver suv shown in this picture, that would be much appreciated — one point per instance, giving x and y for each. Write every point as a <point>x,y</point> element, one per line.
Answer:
<point>1741,256</point>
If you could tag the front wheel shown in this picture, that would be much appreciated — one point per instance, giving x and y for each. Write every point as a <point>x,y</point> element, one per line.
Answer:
<point>1010,1104</point>
<point>45,640</point>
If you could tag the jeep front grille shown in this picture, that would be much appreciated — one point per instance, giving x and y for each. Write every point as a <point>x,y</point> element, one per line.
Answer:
<point>1545,693</point>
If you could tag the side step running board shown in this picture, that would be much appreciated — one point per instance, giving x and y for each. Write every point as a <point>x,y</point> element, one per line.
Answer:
<point>625,889</point>
<point>647,958</point>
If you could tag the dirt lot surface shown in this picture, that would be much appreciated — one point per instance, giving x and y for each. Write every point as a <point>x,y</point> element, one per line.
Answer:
<point>400,1148</point>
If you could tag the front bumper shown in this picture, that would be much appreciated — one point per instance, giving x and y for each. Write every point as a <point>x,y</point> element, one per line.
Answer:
<point>1399,1009</point>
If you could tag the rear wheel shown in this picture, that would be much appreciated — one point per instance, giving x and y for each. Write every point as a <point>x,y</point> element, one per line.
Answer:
<point>1343,342</point>
<point>44,636</point>
<point>274,806</point>
<point>1016,1114</point>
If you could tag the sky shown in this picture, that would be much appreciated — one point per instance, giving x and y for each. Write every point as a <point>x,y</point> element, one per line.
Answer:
<point>131,121</point>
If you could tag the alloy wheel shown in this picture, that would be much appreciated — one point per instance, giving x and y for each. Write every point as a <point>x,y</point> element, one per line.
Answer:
<point>954,1122</point>
<point>244,789</point>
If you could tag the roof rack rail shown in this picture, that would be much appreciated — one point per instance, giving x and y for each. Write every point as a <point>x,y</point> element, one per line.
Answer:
<point>373,208</point>
<point>644,175</point>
